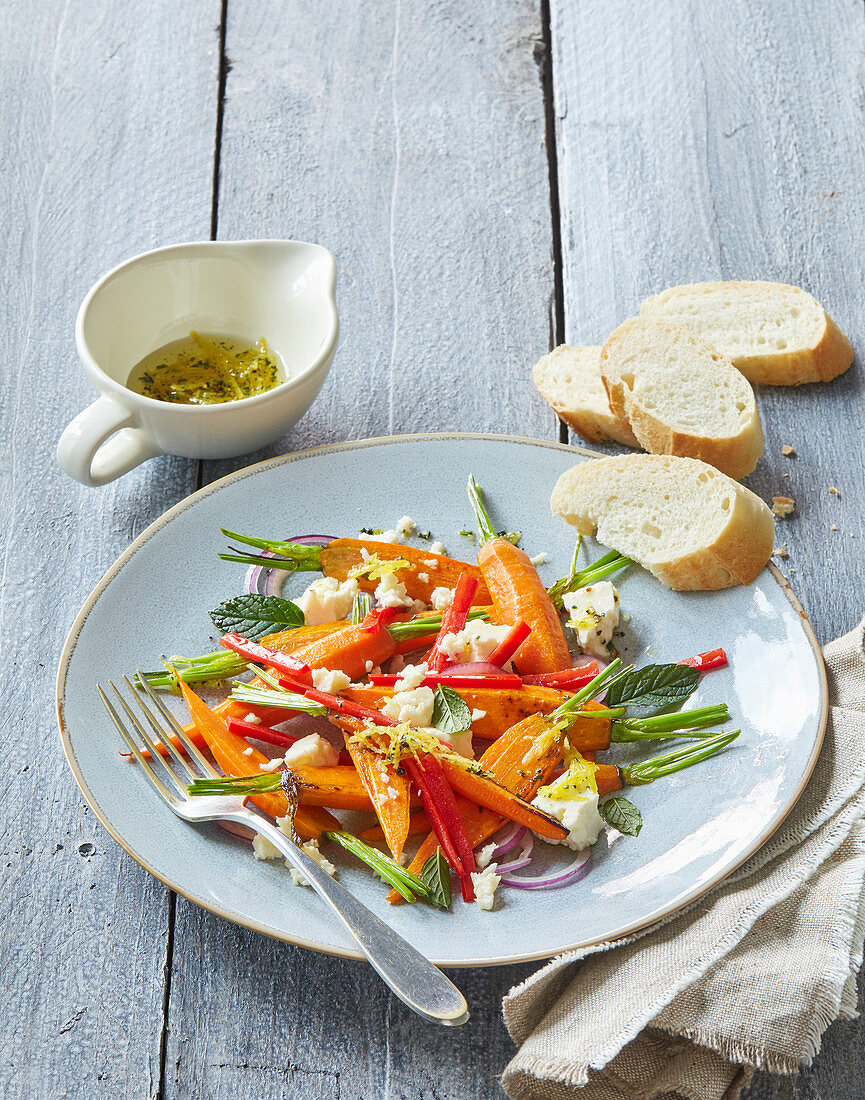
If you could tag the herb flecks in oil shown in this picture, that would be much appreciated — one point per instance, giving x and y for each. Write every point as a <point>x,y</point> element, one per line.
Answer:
<point>202,369</point>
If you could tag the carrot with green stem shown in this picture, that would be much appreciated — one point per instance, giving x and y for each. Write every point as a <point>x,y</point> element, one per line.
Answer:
<point>518,594</point>
<point>421,571</point>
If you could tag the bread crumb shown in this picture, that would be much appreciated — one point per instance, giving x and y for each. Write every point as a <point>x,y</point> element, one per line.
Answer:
<point>787,450</point>
<point>834,491</point>
<point>781,553</point>
<point>782,506</point>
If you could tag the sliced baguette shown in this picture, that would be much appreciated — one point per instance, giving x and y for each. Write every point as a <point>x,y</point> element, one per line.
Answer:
<point>681,396</point>
<point>569,379</point>
<point>775,334</point>
<point>686,522</point>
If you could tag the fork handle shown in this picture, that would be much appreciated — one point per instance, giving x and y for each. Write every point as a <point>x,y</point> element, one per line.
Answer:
<point>412,977</point>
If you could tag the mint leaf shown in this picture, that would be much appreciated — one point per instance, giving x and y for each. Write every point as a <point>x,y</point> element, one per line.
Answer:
<point>436,874</point>
<point>450,713</point>
<point>256,616</point>
<point>622,815</point>
<point>652,686</point>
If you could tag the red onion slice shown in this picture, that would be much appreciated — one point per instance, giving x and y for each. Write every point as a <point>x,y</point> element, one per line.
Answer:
<point>524,857</point>
<point>578,870</point>
<point>509,868</point>
<point>511,838</point>
<point>268,582</point>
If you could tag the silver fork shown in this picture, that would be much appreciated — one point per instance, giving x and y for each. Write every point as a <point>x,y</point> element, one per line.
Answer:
<point>411,976</point>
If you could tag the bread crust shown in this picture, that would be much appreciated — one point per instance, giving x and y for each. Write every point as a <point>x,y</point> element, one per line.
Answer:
<point>736,555</point>
<point>735,455</point>
<point>830,356</point>
<point>590,424</point>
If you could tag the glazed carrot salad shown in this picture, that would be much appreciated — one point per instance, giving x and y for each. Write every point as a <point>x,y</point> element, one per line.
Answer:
<point>464,708</point>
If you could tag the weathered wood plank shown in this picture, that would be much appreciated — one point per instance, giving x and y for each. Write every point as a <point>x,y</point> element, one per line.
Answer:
<point>108,115</point>
<point>698,141</point>
<point>409,139</point>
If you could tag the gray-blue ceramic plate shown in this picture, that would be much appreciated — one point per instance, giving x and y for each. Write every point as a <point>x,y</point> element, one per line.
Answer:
<point>698,825</point>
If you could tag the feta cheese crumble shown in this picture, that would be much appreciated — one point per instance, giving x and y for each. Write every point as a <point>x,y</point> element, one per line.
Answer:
<point>388,536</point>
<point>263,849</point>
<point>406,527</point>
<point>593,614</point>
<point>475,642</point>
<point>271,765</point>
<point>411,677</point>
<point>313,751</point>
<point>477,714</point>
<point>437,548</point>
<point>574,802</point>
<point>486,883</point>
<point>391,593</point>
<point>461,742</point>
<point>423,578</point>
<point>441,598</point>
<point>312,850</point>
<point>332,680</point>
<point>327,600</point>
<point>414,707</point>
<point>539,559</point>
<point>483,857</point>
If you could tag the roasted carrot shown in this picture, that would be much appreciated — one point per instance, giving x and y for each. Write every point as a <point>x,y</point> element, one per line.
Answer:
<point>232,755</point>
<point>522,760</point>
<point>338,559</point>
<point>503,709</point>
<point>349,650</point>
<point>387,791</point>
<point>485,792</point>
<point>418,823</point>
<point>339,787</point>
<point>519,594</point>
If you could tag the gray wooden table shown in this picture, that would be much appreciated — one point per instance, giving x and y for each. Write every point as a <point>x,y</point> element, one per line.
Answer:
<point>493,178</point>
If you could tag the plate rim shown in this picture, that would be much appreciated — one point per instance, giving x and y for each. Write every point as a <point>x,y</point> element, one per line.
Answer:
<point>658,915</point>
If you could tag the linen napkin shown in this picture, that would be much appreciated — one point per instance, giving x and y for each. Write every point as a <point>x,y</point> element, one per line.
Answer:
<point>748,976</point>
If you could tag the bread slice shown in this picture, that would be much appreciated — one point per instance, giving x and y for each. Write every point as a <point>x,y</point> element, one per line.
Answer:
<point>569,379</point>
<point>686,522</point>
<point>775,334</point>
<point>681,396</point>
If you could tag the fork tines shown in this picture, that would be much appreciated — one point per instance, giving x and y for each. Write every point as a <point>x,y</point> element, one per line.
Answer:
<point>164,732</point>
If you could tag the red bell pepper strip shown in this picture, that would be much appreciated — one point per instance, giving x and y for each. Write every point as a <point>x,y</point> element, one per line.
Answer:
<point>261,733</point>
<point>715,658</point>
<point>508,646</point>
<point>379,618</point>
<point>337,703</point>
<point>567,679</point>
<point>252,651</point>
<point>452,677</point>
<point>433,812</point>
<point>440,805</point>
<point>453,619</point>
<point>445,801</point>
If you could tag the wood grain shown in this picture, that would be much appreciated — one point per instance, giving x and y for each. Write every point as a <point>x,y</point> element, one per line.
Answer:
<point>693,141</point>
<point>699,141</point>
<point>407,138</point>
<point>108,114</point>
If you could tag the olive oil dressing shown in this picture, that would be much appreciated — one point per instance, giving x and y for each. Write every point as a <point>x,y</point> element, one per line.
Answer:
<point>202,369</point>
